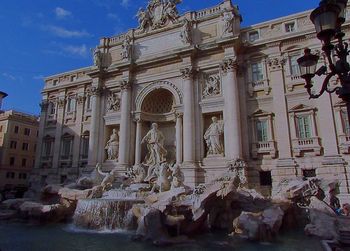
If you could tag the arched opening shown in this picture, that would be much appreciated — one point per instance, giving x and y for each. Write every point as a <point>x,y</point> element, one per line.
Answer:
<point>160,101</point>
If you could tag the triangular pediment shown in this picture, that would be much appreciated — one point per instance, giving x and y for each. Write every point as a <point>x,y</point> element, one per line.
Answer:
<point>301,107</point>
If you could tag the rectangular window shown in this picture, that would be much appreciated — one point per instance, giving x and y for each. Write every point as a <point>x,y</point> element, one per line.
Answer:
<point>10,175</point>
<point>66,148</point>
<point>345,121</point>
<point>304,127</point>
<point>257,72</point>
<point>85,147</point>
<point>265,178</point>
<point>12,161</point>
<point>16,129</point>
<point>13,144</point>
<point>294,67</point>
<point>253,36</point>
<point>25,146</point>
<point>261,129</point>
<point>309,173</point>
<point>71,105</point>
<point>1,128</point>
<point>55,82</point>
<point>47,148</point>
<point>88,103</point>
<point>24,162</point>
<point>26,131</point>
<point>290,27</point>
<point>52,109</point>
<point>73,78</point>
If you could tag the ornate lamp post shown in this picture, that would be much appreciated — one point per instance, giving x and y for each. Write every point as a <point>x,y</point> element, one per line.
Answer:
<point>328,19</point>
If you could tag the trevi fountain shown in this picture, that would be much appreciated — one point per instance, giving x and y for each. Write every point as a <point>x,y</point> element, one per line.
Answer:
<point>161,199</point>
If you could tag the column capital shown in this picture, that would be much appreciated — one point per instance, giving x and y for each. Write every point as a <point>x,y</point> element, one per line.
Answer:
<point>81,99</point>
<point>95,91</point>
<point>178,115</point>
<point>188,72</point>
<point>61,102</point>
<point>125,85</point>
<point>276,63</point>
<point>229,64</point>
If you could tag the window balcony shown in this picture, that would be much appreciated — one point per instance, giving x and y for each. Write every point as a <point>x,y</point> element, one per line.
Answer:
<point>344,144</point>
<point>264,148</point>
<point>294,80</point>
<point>308,145</point>
<point>260,85</point>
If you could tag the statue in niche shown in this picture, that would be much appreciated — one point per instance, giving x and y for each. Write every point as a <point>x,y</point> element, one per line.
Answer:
<point>155,145</point>
<point>212,86</point>
<point>126,48</point>
<point>228,19</point>
<point>213,137</point>
<point>113,103</point>
<point>112,146</point>
<point>97,55</point>
<point>186,32</point>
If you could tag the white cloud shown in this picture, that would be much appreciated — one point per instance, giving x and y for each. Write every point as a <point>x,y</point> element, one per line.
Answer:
<point>62,13</point>
<point>125,3</point>
<point>112,16</point>
<point>81,50</point>
<point>65,33</point>
<point>8,76</point>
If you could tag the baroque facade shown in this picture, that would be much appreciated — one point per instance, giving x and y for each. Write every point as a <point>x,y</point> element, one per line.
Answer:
<point>211,91</point>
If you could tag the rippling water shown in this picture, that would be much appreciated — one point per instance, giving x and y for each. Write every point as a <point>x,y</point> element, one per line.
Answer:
<point>20,237</point>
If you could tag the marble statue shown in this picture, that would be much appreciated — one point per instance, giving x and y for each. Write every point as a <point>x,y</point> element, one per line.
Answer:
<point>112,146</point>
<point>228,19</point>
<point>186,32</point>
<point>97,55</point>
<point>113,103</point>
<point>157,14</point>
<point>178,177</point>
<point>162,183</point>
<point>155,145</point>
<point>212,87</point>
<point>144,19</point>
<point>139,173</point>
<point>213,137</point>
<point>126,48</point>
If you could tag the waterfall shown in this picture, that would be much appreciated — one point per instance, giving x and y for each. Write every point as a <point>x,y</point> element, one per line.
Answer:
<point>105,214</point>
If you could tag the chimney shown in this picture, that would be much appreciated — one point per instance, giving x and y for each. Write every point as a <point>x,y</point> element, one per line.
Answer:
<point>2,96</point>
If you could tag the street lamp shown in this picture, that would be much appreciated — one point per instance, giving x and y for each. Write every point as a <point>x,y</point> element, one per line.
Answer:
<point>328,19</point>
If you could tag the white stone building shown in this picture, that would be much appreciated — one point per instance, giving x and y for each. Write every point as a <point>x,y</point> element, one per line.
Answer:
<point>179,72</point>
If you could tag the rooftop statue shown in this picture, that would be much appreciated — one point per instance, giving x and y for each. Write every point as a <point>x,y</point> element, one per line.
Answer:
<point>157,14</point>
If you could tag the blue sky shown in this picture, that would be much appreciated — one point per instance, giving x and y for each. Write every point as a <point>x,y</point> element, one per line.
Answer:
<point>44,37</point>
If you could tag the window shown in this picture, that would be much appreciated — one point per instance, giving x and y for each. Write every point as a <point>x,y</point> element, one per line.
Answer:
<point>34,148</point>
<point>26,131</point>
<point>47,147</point>
<point>85,146</point>
<point>71,104</point>
<point>257,72</point>
<point>22,176</point>
<point>55,82</point>
<point>13,144</point>
<point>1,128</point>
<point>12,161</point>
<point>24,162</point>
<point>52,108</point>
<point>303,126</point>
<point>66,147</point>
<point>265,178</point>
<point>294,67</point>
<point>25,146</point>
<point>345,121</point>
<point>253,36</point>
<point>290,27</point>
<point>261,130</point>
<point>309,173</point>
<point>88,102</point>
<point>16,129</point>
<point>10,175</point>
<point>73,78</point>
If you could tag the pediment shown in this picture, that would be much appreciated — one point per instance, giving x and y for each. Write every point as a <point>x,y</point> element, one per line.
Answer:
<point>261,113</point>
<point>301,107</point>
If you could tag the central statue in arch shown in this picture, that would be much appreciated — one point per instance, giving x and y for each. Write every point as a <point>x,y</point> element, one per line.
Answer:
<point>155,145</point>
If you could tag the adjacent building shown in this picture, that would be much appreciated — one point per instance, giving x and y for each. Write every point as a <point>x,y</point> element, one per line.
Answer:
<point>18,143</point>
<point>180,72</point>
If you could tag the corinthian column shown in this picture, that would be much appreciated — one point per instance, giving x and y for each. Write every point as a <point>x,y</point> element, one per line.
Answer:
<point>138,142</point>
<point>179,146</point>
<point>232,131</point>
<point>94,127</point>
<point>125,124</point>
<point>188,117</point>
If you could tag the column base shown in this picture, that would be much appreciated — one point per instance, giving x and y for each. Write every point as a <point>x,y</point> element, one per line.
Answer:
<point>194,175</point>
